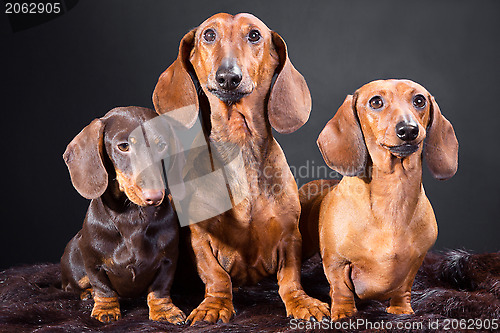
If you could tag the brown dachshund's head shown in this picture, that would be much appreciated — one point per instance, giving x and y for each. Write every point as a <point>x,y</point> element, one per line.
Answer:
<point>112,152</point>
<point>389,119</point>
<point>234,59</point>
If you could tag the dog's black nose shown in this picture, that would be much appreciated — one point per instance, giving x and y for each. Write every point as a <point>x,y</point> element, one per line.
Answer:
<point>228,75</point>
<point>406,131</point>
<point>153,197</point>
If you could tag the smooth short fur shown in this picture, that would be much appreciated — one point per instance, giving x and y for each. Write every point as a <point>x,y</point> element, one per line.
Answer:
<point>376,225</point>
<point>232,60</point>
<point>128,245</point>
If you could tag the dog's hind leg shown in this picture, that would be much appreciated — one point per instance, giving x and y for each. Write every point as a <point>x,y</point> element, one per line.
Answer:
<point>73,275</point>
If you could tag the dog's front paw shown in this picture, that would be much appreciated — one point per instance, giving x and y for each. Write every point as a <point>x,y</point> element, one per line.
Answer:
<point>339,312</point>
<point>106,309</point>
<point>398,310</point>
<point>212,310</point>
<point>162,309</point>
<point>304,307</point>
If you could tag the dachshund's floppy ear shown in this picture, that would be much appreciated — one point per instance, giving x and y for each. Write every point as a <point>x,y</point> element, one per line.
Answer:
<point>441,145</point>
<point>175,89</point>
<point>341,141</point>
<point>83,156</point>
<point>289,101</point>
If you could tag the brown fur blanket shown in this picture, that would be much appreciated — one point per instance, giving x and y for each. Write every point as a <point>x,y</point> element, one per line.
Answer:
<point>452,291</point>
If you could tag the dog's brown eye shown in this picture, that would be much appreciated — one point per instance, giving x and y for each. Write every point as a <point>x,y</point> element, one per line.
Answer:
<point>123,146</point>
<point>376,102</point>
<point>419,101</point>
<point>209,35</point>
<point>254,36</point>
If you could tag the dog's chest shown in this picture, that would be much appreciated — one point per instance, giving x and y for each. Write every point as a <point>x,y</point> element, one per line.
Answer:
<point>245,239</point>
<point>256,257</point>
<point>382,239</point>
<point>386,240</point>
<point>363,220</point>
<point>138,248</point>
<point>249,249</point>
<point>139,253</point>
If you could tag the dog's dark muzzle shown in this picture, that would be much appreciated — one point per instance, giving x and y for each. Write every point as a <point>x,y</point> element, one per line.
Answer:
<point>228,97</point>
<point>404,149</point>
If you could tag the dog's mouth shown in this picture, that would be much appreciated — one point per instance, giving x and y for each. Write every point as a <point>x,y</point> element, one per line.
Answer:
<point>227,96</point>
<point>403,150</point>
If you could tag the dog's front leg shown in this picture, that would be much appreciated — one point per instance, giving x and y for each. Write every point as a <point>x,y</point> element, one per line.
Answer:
<point>400,303</point>
<point>218,302</point>
<point>161,307</point>
<point>400,299</point>
<point>297,303</point>
<point>106,306</point>
<point>341,290</point>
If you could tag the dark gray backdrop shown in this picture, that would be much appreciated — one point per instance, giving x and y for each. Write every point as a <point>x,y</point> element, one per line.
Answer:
<point>58,76</point>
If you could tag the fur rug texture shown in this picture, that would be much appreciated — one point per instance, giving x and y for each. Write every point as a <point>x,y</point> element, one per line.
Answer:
<point>453,291</point>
